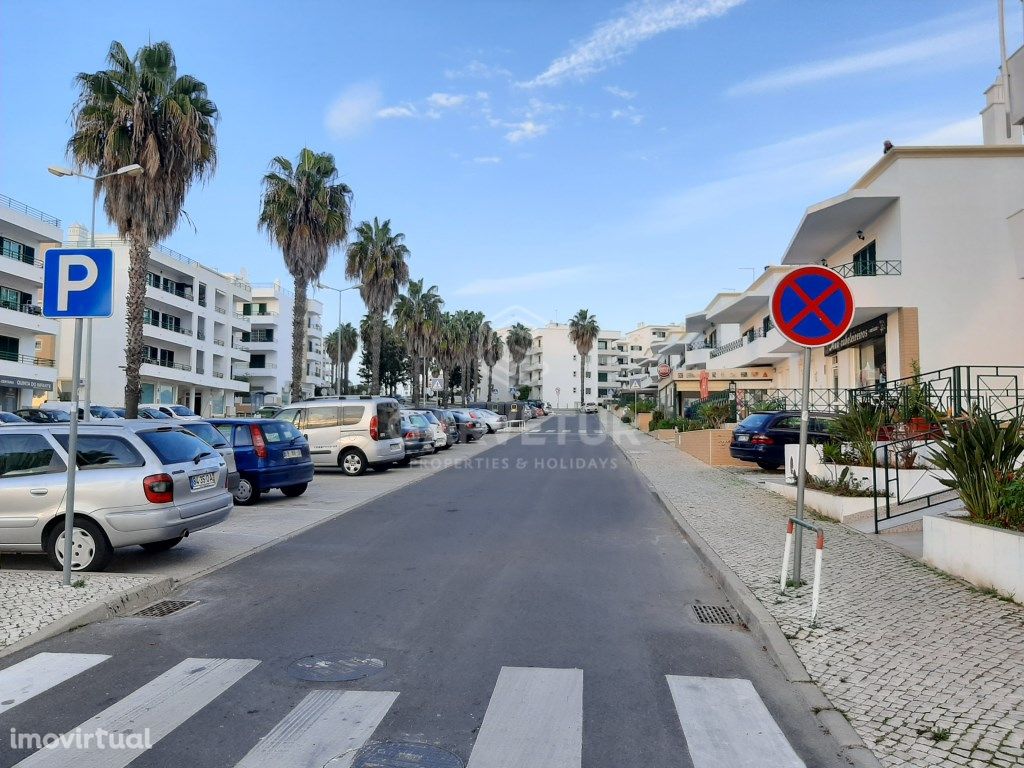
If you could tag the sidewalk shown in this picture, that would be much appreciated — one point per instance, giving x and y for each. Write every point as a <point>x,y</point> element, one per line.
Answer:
<point>928,670</point>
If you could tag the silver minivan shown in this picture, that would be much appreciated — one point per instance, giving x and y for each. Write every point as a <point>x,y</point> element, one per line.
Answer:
<point>353,432</point>
<point>149,483</point>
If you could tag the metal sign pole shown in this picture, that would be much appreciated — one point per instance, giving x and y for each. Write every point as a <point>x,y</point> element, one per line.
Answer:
<point>69,496</point>
<point>801,478</point>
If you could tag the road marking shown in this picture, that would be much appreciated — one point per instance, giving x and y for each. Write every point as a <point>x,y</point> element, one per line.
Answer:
<point>325,727</point>
<point>534,719</point>
<point>32,676</point>
<point>158,707</point>
<point>728,726</point>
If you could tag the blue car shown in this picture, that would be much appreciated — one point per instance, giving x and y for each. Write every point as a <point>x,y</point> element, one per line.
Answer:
<point>269,454</point>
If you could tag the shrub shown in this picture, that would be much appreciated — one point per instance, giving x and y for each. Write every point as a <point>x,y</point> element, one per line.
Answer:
<point>663,424</point>
<point>768,404</point>
<point>843,485</point>
<point>981,456</point>
<point>859,428</point>
<point>687,425</point>
<point>714,415</point>
<point>644,406</point>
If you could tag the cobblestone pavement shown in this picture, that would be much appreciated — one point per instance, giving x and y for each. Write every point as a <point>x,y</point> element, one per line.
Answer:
<point>30,600</point>
<point>928,670</point>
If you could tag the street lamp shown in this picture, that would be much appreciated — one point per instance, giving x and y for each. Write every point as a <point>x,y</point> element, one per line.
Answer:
<point>337,341</point>
<point>134,169</point>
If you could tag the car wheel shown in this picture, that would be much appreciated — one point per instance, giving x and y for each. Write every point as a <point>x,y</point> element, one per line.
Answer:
<point>404,462</point>
<point>162,546</point>
<point>292,491</point>
<point>490,430</point>
<point>382,467</point>
<point>352,462</point>
<point>769,465</point>
<point>90,550</point>
<point>246,494</point>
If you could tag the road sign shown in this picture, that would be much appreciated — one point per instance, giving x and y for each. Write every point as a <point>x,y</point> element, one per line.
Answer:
<point>78,282</point>
<point>558,390</point>
<point>437,383</point>
<point>812,306</point>
<point>664,371</point>
<point>635,384</point>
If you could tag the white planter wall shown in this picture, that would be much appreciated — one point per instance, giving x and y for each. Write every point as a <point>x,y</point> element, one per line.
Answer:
<point>845,509</point>
<point>980,554</point>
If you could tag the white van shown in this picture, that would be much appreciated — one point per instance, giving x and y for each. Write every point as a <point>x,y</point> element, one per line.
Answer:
<point>352,432</point>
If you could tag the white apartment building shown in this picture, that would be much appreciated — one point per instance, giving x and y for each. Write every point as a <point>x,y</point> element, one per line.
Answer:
<point>643,347</point>
<point>27,367</point>
<point>192,331</point>
<point>314,366</point>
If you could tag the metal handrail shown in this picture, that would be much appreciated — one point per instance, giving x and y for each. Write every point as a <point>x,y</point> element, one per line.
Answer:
<point>869,269</point>
<point>31,262</point>
<point>28,309</point>
<point>15,205</point>
<point>167,364</point>
<point>725,348</point>
<point>14,357</point>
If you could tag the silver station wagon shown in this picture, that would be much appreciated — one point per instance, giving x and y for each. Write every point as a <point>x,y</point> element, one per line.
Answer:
<point>144,482</point>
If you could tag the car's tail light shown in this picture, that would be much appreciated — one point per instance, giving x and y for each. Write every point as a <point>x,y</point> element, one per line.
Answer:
<point>761,440</point>
<point>474,415</point>
<point>159,489</point>
<point>257,441</point>
<point>410,435</point>
<point>374,428</point>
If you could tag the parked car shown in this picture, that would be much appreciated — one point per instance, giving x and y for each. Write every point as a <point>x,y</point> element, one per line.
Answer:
<point>352,432</point>
<point>451,427</point>
<point>269,453</point>
<point>590,407</point>
<point>172,411</point>
<point>95,411</point>
<point>269,411</point>
<point>493,422</point>
<point>11,418</point>
<point>418,436</point>
<point>138,483</point>
<point>762,437</point>
<point>437,428</point>
<point>208,433</point>
<point>470,429</point>
<point>40,416</point>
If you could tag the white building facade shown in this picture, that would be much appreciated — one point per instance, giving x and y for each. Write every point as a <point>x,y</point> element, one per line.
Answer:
<point>27,366</point>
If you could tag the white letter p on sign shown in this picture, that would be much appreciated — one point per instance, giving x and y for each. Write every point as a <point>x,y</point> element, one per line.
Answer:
<point>67,286</point>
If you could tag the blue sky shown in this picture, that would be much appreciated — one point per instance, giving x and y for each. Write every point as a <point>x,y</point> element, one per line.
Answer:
<point>628,158</point>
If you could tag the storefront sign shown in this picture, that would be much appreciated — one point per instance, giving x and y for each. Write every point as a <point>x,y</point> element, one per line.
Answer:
<point>727,374</point>
<point>19,383</point>
<point>872,329</point>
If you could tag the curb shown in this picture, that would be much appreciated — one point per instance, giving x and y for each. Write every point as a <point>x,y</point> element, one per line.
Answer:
<point>763,627</point>
<point>120,604</point>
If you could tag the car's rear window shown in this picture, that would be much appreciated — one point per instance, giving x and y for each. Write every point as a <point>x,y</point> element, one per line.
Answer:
<point>430,417</point>
<point>757,420</point>
<point>279,432</point>
<point>174,446</point>
<point>181,410</point>
<point>418,420</point>
<point>208,433</point>
<point>103,452</point>
<point>389,420</point>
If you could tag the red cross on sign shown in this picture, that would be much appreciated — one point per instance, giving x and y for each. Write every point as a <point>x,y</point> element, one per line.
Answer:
<point>812,306</point>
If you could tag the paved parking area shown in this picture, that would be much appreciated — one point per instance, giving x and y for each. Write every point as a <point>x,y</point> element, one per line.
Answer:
<point>929,670</point>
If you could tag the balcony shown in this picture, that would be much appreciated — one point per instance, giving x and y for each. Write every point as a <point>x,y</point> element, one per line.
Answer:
<point>167,364</point>
<point>27,371</point>
<point>726,348</point>
<point>35,213</point>
<point>26,318</point>
<point>220,310</point>
<point>697,355</point>
<point>39,362</point>
<point>219,342</point>
<point>869,269</point>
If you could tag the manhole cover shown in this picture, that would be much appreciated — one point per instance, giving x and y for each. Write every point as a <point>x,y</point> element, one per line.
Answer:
<point>336,667</point>
<point>399,754</point>
<point>165,608</point>
<point>714,614</point>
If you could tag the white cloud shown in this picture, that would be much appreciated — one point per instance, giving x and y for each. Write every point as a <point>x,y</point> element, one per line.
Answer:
<point>477,70</point>
<point>622,93</point>
<point>525,130</point>
<point>353,111</point>
<point>613,39</point>
<point>400,111</point>
<point>487,160</point>
<point>954,133</point>
<point>629,114</point>
<point>445,100</point>
<point>529,281</point>
<point>943,45</point>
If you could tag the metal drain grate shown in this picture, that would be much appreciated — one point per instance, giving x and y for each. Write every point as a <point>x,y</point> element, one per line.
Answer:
<point>715,614</point>
<point>399,754</point>
<point>165,608</point>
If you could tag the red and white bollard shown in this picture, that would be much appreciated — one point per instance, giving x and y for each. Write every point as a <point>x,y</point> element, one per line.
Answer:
<point>819,551</point>
<point>785,556</point>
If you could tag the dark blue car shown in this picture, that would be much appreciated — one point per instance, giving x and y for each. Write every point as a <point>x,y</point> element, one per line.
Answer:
<point>269,454</point>
<point>762,437</point>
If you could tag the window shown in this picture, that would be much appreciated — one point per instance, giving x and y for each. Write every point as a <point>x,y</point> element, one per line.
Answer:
<point>767,324</point>
<point>150,354</point>
<point>294,415</point>
<point>601,344</point>
<point>173,446</point>
<point>864,261</point>
<point>587,391</point>
<point>588,374</point>
<point>13,299</point>
<point>167,358</point>
<point>276,432</point>
<point>12,249</point>
<point>150,316</point>
<point>243,437</point>
<point>8,348</point>
<point>602,376</point>
<point>351,414</point>
<point>320,418</point>
<point>208,433</point>
<point>28,455</point>
<point>257,361</point>
<point>787,422</point>
<point>103,452</point>
<point>225,429</point>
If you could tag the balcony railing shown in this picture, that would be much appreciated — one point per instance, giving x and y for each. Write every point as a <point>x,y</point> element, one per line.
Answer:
<point>220,310</point>
<point>35,213</point>
<point>725,348</point>
<point>695,345</point>
<point>174,328</point>
<point>14,357</point>
<point>168,364</point>
<point>242,316</point>
<point>240,376</point>
<point>21,259</point>
<point>218,374</point>
<point>219,343</point>
<point>28,309</point>
<point>869,268</point>
<point>265,366</point>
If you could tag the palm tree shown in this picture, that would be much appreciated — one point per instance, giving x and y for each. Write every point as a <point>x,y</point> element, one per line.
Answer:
<point>306,211</point>
<point>519,340</point>
<point>377,260</point>
<point>493,350</point>
<point>470,348</point>
<point>415,316</point>
<point>583,330</point>
<point>452,339</point>
<point>140,111</point>
<point>348,340</point>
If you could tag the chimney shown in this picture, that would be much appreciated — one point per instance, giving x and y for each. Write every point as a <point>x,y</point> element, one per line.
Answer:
<point>996,116</point>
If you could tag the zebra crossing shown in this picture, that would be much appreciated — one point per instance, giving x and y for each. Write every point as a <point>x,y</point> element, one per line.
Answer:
<point>534,718</point>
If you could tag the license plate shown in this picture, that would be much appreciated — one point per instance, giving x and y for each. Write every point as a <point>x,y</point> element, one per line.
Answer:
<point>742,438</point>
<point>294,453</point>
<point>202,482</point>
<point>395,448</point>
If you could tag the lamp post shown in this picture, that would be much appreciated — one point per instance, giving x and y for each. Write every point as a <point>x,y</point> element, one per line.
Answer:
<point>126,170</point>
<point>337,340</point>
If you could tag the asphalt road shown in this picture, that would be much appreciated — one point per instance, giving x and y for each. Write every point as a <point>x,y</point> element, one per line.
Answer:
<point>542,585</point>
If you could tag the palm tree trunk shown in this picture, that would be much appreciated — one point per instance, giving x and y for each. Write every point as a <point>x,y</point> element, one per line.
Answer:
<point>344,377</point>
<point>490,382</point>
<point>138,263</point>
<point>375,341</point>
<point>298,339</point>
<point>583,369</point>
<point>415,361</point>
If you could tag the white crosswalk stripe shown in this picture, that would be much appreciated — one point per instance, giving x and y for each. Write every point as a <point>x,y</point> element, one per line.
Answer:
<point>534,719</point>
<point>728,726</point>
<point>41,672</point>
<point>324,726</point>
<point>154,710</point>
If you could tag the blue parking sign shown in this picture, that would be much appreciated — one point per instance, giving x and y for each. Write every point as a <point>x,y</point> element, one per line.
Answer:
<point>78,282</point>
